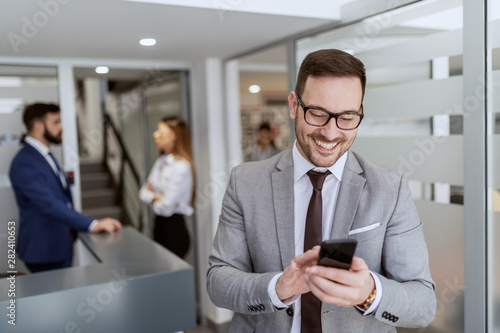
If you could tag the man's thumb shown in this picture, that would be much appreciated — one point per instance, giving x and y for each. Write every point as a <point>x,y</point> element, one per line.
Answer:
<point>358,264</point>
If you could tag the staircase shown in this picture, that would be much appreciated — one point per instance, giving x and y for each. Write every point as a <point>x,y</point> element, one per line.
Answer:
<point>98,193</point>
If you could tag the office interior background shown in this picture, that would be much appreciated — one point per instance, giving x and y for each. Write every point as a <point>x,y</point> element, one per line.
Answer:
<point>432,110</point>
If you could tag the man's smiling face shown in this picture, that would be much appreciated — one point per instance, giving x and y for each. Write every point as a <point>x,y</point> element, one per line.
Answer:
<point>323,146</point>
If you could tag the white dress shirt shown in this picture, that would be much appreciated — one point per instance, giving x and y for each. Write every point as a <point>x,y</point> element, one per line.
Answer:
<point>302,195</point>
<point>44,151</point>
<point>174,179</point>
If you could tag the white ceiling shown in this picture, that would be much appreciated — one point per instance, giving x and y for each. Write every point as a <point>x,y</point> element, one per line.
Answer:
<point>111,29</point>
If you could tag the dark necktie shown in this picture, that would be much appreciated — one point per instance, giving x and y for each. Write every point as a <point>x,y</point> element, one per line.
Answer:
<point>311,305</point>
<point>59,175</point>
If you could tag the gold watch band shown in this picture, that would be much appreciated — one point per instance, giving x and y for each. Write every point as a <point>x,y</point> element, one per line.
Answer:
<point>366,304</point>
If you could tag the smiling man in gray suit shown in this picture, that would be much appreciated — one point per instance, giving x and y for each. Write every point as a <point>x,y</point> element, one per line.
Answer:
<point>261,266</point>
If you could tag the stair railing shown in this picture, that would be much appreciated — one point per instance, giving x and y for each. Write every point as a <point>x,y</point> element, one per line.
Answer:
<point>125,160</point>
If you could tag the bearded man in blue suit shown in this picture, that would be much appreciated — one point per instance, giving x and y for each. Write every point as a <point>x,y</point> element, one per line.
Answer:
<point>43,194</point>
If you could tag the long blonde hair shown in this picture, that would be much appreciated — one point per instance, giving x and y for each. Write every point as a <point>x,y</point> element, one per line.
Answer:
<point>182,147</point>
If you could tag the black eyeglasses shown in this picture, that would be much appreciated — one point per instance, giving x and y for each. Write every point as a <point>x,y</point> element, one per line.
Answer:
<point>345,120</point>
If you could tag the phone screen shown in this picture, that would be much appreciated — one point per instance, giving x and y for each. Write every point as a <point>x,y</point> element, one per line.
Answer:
<point>337,253</point>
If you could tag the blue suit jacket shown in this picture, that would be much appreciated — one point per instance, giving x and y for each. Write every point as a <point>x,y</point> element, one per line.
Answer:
<point>45,218</point>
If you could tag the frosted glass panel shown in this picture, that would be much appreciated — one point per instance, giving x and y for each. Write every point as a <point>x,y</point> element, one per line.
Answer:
<point>429,159</point>
<point>419,49</point>
<point>493,157</point>
<point>434,97</point>
<point>495,270</point>
<point>444,234</point>
<point>494,162</point>
<point>414,110</point>
<point>413,32</point>
<point>494,25</point>
<point>493,92</point>
<point>390,127</point>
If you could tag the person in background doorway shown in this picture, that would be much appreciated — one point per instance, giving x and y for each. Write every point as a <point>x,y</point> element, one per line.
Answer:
<point>47,219</point>
<point>169,189</point>
<point>265,144</point>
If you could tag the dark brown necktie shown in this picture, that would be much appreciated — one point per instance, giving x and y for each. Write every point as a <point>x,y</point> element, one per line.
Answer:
<point>311,305</point>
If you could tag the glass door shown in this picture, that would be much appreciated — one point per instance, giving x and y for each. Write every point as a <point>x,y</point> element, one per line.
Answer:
<point>19,86</point>
<point>413,123</point>
<point>493,157</point>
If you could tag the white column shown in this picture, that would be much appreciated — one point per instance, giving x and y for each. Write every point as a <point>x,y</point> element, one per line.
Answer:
<point>209,149</point>
<point>71,160</point>
<point>233,118</point>
<point>91,124</point>
<point>216,130</point>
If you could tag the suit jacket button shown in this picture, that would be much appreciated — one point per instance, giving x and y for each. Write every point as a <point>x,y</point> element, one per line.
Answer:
<point>250,308</point>
<point>289,311</point>
<point>262,307</point>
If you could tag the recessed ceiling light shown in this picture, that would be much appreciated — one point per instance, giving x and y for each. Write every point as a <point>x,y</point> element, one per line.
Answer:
<point>101,70</point>
<point>147,42</point>
<point>254,88</point>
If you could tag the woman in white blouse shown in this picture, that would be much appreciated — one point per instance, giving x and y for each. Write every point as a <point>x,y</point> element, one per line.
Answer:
<point>170,185</point>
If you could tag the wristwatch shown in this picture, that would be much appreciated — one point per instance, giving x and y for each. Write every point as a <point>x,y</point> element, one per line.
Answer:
<point>366,304</point>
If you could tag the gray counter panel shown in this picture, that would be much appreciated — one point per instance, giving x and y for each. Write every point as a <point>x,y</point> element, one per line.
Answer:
<point>138,287</point>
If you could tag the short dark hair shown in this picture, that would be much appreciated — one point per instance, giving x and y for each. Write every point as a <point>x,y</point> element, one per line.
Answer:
<point>36,112</point>
<point>265,126</point>
<point>330,62</point>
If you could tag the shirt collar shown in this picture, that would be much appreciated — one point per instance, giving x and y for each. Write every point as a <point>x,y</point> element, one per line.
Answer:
<point>42,149</point>
<point>168,159</point>
<point>301,166</point>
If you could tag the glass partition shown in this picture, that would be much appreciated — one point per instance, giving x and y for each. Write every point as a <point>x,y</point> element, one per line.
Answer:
<point>263,96</point>
<point>137,106</point>
<point>493,144</point>
<point>20,85</point>
<point>413,123</point>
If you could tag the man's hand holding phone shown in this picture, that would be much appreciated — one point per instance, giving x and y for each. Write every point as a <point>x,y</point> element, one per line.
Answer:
<point>292,282</point>
<point>339,278</point>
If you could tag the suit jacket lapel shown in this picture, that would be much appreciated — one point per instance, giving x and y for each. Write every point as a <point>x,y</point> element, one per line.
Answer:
<point>350,191</point>
<point>42,161</point>
<point>282,187</point>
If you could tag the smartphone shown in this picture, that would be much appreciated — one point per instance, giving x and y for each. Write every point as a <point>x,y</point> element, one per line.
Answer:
<point>337,253</point>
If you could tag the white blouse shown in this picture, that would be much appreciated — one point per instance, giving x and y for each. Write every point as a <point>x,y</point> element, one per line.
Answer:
<point>173,178</point>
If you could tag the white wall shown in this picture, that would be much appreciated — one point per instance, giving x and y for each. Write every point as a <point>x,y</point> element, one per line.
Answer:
<point>209,148</point>
<point>91,121</point>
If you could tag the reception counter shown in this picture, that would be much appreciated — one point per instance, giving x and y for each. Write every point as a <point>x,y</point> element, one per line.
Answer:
<point>127,283</point>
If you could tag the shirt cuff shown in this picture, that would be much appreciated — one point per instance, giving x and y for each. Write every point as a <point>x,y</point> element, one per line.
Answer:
<point>146,196</point>
<point>271,291</point>
<point>93,224</point>
<point>378,297</point>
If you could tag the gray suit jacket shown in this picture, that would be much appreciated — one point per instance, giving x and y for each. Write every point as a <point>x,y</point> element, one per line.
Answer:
<point>255,241</point>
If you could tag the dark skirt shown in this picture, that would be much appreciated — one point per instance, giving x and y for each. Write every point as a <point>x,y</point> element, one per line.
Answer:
<point>171,232</point>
